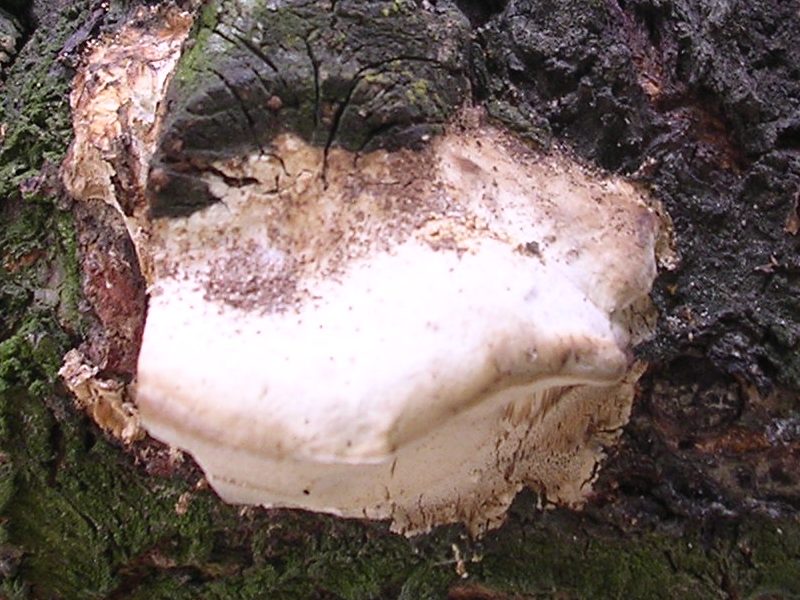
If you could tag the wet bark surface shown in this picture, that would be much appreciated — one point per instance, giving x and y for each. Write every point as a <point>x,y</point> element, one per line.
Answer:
<point>698,101</point>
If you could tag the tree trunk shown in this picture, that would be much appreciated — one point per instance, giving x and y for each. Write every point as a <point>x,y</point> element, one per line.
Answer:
<point>698,101</point>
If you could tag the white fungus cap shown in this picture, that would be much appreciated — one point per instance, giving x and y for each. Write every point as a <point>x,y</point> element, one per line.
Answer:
<point>413,335</point>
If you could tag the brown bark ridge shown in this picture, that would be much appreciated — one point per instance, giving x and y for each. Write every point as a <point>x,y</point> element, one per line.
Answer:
<point>698,101</point>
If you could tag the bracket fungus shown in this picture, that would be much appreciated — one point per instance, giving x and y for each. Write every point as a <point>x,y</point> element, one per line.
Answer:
<point>405,331</point>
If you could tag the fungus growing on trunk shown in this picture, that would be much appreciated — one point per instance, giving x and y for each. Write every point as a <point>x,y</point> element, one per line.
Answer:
<point>411,333</point>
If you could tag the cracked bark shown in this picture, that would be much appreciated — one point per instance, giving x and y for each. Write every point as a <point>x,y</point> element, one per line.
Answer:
<point>697,100</point>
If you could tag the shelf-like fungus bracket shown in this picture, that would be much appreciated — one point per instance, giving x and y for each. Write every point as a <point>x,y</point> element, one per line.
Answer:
<point>410,332</point>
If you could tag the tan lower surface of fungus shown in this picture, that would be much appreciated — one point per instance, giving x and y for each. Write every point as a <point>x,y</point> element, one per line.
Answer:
<point>106,400</point>
<point>115,100</point>
<point>414,335</point>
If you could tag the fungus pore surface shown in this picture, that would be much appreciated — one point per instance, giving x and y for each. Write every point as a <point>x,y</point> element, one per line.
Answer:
<point>411,333</point>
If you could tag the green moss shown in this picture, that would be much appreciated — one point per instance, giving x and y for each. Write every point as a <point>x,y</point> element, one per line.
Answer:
<point>397,7</point>
<point>37,248</point>
<point>32,356</point>
<point>70,293</point>
<point>560,555</point>
<point>35,111</point>
<point>193,61</point>
<point>527,125</point>
<point>773,553</point>
<point>79,514</point>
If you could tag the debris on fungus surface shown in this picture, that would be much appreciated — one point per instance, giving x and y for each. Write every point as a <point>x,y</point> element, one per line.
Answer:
<point>412,334</point>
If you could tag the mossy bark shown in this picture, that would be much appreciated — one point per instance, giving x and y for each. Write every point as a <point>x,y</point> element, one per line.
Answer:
<point>698,100</point>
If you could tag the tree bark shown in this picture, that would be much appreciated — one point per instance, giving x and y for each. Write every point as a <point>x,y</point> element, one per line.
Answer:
<point>698,101</point>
